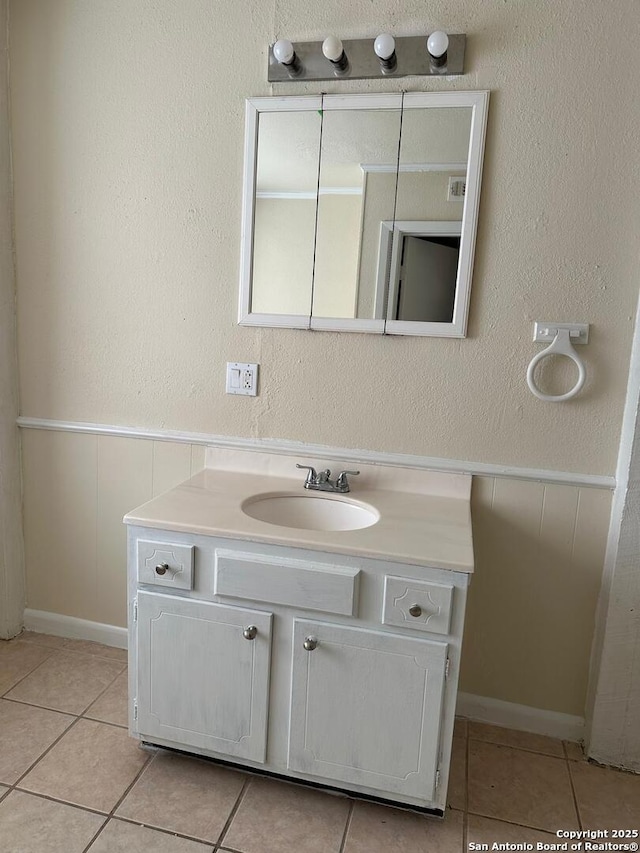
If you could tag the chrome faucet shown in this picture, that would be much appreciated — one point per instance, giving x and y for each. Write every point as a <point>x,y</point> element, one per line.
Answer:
<point>321,482</point>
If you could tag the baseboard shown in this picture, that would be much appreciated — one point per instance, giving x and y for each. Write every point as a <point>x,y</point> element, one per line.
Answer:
<point>520,717</point>
<point>59,625</point>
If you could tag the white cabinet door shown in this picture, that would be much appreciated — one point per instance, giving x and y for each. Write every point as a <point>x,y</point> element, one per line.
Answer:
<point>365,708</point>
<point>200,681</point>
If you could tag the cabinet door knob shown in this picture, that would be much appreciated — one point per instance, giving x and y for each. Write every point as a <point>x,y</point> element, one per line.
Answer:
<point>250,633</point>
<point>162,569</point>
<point>310,643</point>
<point>415,610</point>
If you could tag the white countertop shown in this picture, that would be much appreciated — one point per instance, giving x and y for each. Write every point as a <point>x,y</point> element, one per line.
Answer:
<point>430,525</point>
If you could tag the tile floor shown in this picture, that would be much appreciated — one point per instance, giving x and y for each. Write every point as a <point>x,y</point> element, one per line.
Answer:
<point>71,780</point>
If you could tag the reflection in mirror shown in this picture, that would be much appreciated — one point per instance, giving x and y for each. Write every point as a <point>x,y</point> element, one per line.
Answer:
<point>285,212</point>
<point>434,149</point>
<point>350,139</point>
<point>427,281</point>
<point>425,248</point>
<point>423,270</point>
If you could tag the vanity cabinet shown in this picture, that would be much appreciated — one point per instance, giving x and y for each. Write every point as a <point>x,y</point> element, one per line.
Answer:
<point>333,669</point>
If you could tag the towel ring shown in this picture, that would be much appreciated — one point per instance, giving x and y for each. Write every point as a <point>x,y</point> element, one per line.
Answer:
<point>561,345</point>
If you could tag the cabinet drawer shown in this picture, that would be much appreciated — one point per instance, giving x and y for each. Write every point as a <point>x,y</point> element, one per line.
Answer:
<point>281,580</point>
<point>422,605</point>
<point>163,564</point>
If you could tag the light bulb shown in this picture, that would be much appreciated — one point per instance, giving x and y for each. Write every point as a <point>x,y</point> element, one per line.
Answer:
<point>284,52</point>
<point>384,46</point>
<point>437,45</point>
<point>332,48</point>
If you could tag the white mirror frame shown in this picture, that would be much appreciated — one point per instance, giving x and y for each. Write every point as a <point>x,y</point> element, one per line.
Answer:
<point>253,107</point>
<point>477,101</point>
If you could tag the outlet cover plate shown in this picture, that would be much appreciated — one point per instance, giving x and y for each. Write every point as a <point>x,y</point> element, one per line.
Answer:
<point>242,378</point>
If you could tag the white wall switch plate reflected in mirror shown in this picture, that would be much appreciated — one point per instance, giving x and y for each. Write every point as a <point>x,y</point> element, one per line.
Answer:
<point>242,378</point>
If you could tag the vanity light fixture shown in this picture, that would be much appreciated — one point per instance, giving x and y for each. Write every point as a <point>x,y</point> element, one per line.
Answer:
<point>437,45</point>
<point>333,50</point>
<point>438,54</point>
<point>384,48</point>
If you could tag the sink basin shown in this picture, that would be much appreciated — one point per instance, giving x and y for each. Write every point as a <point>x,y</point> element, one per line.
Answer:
<point>310,512</point>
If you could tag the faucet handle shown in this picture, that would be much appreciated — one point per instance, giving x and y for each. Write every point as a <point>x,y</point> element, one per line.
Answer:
<point>342,482</point>
<point>312,477</point>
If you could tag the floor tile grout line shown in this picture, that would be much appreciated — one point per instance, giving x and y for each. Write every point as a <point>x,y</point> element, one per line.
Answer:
<point>467,762</point>
<point>20,779</point>
<point>110,815</point>
<point>232,814</point>
<point>96,836</point>
<point>465,812</point>
<point>104,722</point>
<point>347,826</point>
<point>512,822</point>
<point>101,694</point>
<point>64,713</point>
<point>575,796</point>
<point>63,648</point>
<point>81,715</point>
<point>46,752</point>
<point>146,764</point>
<point>31,671</point>
<point>91,655</point>
<point>72,651</point>
<point>24,639</point>
<point>40,707</point>
<point>46,660</point>
<point>51,799</point>
<point>172,832</point>
<point>465,830</point>
<point>520,748</point>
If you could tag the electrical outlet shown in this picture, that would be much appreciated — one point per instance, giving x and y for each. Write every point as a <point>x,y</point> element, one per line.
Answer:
<point>456,188</point>
<point>242,378</point>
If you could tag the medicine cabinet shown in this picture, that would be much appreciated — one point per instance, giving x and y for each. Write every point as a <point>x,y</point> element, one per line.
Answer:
<point>360,211</point>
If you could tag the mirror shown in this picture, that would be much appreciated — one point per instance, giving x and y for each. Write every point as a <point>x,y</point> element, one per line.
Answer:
<point>360,211</point>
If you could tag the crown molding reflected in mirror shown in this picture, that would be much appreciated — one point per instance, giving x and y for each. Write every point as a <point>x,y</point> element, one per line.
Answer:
<point>360,211</point>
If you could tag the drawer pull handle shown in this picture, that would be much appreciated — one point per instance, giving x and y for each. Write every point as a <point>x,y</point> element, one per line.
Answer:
<point>162,569</point>
<point>415,610</point>
<point>310,643</point>
<point>250,633</point>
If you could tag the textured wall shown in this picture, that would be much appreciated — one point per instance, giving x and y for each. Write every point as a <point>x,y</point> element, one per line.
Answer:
<point>127,134</point>
<point>11,548</point>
